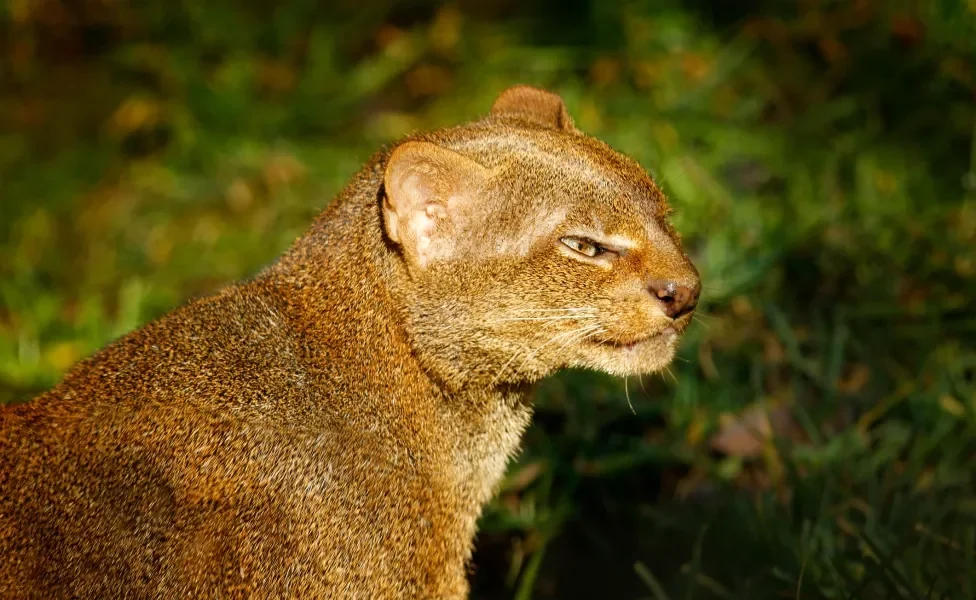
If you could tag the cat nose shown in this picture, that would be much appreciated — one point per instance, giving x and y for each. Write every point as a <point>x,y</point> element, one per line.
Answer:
<point>676,299</point>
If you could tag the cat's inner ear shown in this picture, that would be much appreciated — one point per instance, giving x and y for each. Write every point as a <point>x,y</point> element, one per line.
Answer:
<point>429,191</point>
<point>535,105</point>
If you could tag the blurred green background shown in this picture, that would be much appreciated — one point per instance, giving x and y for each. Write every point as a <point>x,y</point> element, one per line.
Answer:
<point>817,436</point>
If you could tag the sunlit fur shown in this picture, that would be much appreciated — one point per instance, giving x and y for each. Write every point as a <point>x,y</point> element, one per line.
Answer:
<point>332,427</point>
<point>522,306</point>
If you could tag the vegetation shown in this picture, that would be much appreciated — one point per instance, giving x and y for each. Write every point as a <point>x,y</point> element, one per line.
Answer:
<point>817,437</point>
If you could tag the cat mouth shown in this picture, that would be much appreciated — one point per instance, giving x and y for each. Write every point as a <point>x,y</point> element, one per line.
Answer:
<point>642,342</point>
<point>635,355</point>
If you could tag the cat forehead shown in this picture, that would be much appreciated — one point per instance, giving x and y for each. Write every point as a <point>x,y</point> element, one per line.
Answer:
<point>548,180</point>
<point>557,167</point>
<point>597,191</point>
<point>578,206</point>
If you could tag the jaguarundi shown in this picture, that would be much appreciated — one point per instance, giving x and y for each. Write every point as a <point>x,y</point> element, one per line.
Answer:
<point>332,427</point>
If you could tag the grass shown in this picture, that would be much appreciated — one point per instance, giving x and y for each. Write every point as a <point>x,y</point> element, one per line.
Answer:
<point>822,162</point>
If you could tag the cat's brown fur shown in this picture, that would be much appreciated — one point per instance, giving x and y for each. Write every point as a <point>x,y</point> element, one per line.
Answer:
<point>333,427</point>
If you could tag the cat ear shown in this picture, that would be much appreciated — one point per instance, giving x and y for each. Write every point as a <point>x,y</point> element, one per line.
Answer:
<point>535,105</point>
<point>427,189</point>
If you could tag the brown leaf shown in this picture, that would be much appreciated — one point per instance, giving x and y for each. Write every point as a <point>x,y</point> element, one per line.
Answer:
<point>908,30</point>
<point>858,377</point>
<point>521,479</point>
<point>747,434</point>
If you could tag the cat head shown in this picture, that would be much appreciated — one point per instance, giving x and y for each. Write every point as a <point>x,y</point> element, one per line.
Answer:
<point>527,247</point>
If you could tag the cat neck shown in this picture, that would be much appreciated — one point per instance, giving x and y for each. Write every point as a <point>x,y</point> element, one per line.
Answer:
<point>342,277</point>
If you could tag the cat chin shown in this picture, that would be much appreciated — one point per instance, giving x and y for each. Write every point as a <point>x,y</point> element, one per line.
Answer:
<point>641,358</point>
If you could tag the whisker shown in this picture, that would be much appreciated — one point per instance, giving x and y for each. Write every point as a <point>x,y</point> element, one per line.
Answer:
<point>585,333</point>
<point>505,366</point>
<point>563,309</point>
<point>593,333</point>
<point>627,393</point>
<point>668,369</point>
<point>700,322</point>
<point>546,323</point>
<point>570,334</point>
<point>556,318</point>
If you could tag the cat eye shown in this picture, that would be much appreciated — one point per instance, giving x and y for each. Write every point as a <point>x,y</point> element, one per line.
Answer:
<point>584,247</point>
